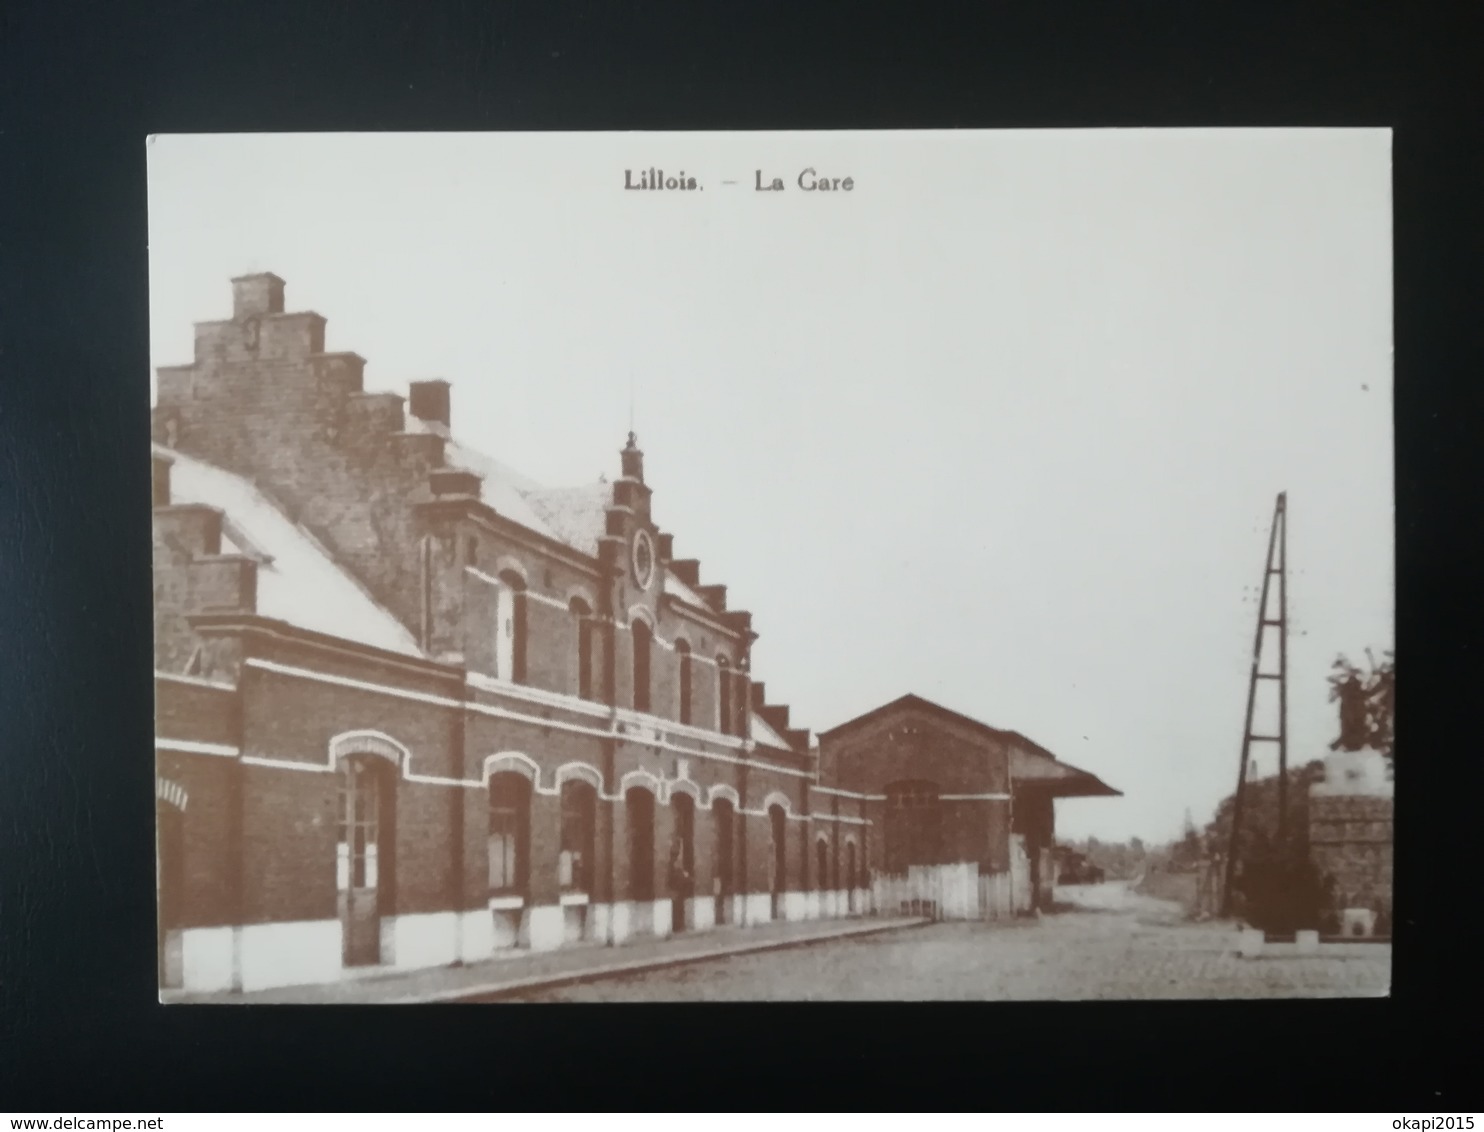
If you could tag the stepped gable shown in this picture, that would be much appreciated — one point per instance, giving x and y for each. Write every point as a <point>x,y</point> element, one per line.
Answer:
<point>296,579</point>
<point>265,402</point>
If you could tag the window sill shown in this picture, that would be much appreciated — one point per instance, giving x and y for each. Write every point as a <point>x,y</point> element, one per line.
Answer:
<point>573,899</point>
<point>505,903</point>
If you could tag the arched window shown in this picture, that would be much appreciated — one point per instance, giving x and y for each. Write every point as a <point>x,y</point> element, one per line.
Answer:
<point>912,825</point>
<point>584,618</point>
<point>852,882</point>
<point>510,628</point>
<point>643,640</point>
<point>822,864</point>
<point>579,814</point>
<point>682,859</point>
<point>682,651</point>
<point>724,695</point>
<point>509,833</point>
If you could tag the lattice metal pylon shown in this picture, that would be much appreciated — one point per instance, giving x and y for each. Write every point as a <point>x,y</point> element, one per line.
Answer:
<point>1277,567</point>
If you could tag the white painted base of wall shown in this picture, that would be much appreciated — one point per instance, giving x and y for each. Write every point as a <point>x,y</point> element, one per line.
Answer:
<point>290,954</point>
<point>429,939</point>
<point>625,922</point>
<point>574,923</point>
<point>795,906</point>
<point>476,935</point>
<point>505,927</point>
<point>738,909</point>
<point>544,927</point>
<point>757,908</point>
<point>172,964</point>
<point>660,922</point>
<point>599,920</point>
<point>208,959</point>
<point>700,913</point>
<point>261,956</point>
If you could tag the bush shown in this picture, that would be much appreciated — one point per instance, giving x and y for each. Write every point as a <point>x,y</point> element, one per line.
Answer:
<point>1282,895</point>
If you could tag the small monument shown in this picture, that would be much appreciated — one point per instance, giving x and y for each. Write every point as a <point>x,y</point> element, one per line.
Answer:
<point>1353,766</point>
<point>1350,823</point>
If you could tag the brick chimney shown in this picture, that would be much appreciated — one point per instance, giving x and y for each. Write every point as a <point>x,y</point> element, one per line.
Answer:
<point>256,294</point>
<point>428,401</point>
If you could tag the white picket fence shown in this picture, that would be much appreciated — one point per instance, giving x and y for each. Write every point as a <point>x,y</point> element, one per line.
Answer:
<point>952,892</point>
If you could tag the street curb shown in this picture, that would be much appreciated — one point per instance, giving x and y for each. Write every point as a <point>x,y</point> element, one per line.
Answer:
<point>637,966</point>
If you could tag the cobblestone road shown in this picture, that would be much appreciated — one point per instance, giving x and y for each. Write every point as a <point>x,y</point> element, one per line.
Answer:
<point>1115,945</point>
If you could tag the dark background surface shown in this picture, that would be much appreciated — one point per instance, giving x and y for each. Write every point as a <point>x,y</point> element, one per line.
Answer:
<point>81,85</point>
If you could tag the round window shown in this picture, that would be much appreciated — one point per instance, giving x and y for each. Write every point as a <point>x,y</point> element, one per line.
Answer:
<point>643,559</point>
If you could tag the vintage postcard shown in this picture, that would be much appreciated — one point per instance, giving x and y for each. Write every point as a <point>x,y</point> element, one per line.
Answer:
<point>772,566</point>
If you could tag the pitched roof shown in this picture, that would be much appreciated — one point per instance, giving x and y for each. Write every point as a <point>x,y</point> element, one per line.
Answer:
<point>573,515</point>
<point>765,735</point>
<point>298,580</point>
<point>1030,762</point>
<point>505,489</point>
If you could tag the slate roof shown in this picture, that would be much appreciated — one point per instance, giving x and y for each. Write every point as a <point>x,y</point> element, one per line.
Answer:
<point>298,580</point>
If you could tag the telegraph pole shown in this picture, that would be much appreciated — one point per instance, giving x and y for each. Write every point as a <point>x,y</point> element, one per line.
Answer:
<point>1276,567</point>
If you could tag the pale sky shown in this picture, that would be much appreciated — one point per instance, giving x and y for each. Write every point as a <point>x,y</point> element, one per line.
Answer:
<point>1002,426</point>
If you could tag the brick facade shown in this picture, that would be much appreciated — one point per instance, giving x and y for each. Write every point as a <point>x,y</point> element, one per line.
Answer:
<point>362,630</point>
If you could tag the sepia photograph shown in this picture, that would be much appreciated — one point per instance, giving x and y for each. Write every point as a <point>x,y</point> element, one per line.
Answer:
<point>781,566</point>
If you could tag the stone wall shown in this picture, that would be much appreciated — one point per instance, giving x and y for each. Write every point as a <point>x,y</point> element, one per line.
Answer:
<point>1350,834</point>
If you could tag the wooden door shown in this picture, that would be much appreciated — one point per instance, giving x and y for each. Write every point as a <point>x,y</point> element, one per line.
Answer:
<point>725,841</point>
<point>683,859</point>
<point>359,861</point>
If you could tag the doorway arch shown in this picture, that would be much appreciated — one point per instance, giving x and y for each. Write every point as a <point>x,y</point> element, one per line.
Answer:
<point>682,859</point>
<point>724,815</point>
<point>365,871</point>
<point>639,809</point>
<point>850,878</point>
<point>777,824</point>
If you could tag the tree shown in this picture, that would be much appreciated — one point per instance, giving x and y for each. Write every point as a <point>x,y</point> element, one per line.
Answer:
<point>1373,692</point>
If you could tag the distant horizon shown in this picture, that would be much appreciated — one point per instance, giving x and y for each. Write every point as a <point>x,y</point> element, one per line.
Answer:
<point>1002,427</point>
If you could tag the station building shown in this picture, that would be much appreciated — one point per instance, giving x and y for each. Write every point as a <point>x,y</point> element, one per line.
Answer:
<point>412,708</point>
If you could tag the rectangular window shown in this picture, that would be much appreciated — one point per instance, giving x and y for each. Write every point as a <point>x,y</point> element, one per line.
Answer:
<point>502,851</point>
